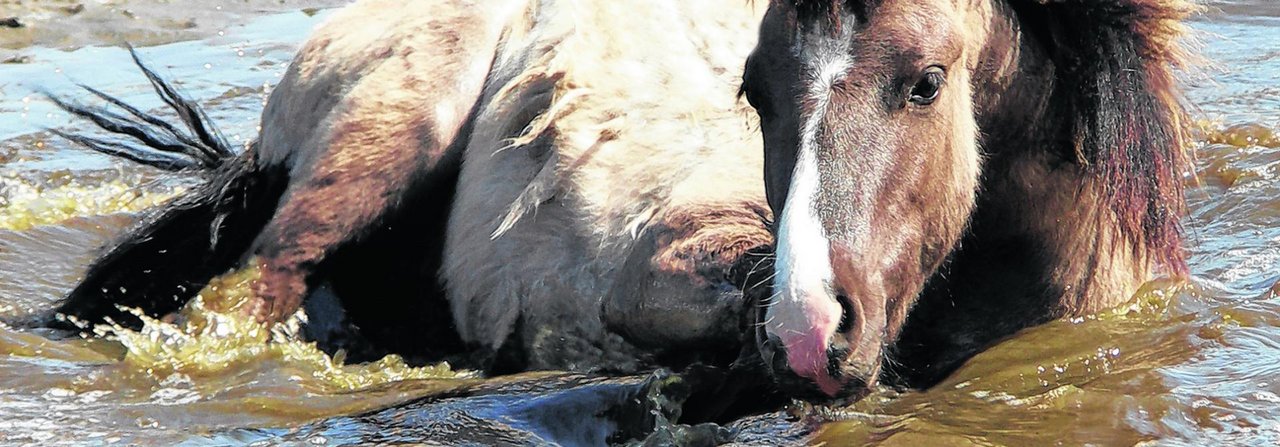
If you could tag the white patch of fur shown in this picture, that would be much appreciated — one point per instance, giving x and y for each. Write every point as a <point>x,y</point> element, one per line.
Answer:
<point>444,112</point>
<point>802,285</point>
<point>803,264</point>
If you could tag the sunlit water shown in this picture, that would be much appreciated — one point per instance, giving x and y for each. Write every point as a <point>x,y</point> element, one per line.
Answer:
<point>1183,364</point>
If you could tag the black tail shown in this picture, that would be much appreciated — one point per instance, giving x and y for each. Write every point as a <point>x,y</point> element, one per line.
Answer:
<point>169,256</point>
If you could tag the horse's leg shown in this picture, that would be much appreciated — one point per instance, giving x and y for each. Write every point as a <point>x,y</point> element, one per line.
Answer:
<point>398,125</point>
<point>682,284</point>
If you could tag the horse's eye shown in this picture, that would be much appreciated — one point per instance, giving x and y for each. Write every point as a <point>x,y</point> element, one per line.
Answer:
<point>928,87</point>
<point>754,99</point>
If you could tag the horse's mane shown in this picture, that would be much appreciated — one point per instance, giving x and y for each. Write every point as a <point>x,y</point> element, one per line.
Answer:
<point>1116,62</point>
<point>828,9</point>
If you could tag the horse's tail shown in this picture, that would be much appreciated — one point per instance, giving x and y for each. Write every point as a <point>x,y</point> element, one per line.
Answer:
<point>168,257</point>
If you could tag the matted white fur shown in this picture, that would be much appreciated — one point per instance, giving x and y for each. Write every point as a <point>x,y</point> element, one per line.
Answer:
<point>597,117</point>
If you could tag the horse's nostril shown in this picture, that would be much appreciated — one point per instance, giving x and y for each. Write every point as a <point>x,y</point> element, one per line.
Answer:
<point>846,314</point>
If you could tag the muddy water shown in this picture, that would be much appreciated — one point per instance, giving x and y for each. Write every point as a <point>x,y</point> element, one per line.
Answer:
<point>1183,364</point>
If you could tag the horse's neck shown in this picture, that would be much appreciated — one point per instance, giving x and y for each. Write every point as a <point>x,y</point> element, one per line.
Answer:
<point>1033,190</point>
<point>1042,245</point>
<point>1058,218</point>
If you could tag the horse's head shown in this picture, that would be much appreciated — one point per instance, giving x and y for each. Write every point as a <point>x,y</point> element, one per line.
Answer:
<point>871,113</point>
<point>872,167</point>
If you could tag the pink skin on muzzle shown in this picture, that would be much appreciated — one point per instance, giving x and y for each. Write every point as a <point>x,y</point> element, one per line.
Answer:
<point>807,351</point>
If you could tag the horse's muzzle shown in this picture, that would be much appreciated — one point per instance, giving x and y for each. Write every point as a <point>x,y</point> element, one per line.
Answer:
<point>841,384</point>
<point>847,381</point>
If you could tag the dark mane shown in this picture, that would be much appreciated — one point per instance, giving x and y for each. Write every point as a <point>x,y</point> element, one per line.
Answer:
<point>809,10</point>
<point>1128,125</point>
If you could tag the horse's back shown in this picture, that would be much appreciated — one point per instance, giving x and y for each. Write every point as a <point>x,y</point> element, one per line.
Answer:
<point>598,120</point>
<point>371,50</point>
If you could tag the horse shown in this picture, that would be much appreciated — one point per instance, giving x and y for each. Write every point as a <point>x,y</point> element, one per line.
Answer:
<point>949,172</point>
<point>835,193</point>
<point>509,184</point>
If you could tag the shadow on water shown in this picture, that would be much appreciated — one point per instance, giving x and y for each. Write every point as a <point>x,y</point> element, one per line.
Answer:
<point>551,409</point>
<point>1181,364</point>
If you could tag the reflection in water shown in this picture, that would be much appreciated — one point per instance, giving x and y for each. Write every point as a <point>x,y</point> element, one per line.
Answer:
<point>1194,363</point>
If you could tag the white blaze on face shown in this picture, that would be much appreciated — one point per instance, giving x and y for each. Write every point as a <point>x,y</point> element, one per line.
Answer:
<point>804,313</point>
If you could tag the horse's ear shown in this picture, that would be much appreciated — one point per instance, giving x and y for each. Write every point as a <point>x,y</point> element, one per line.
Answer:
<point>1115,63</point>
